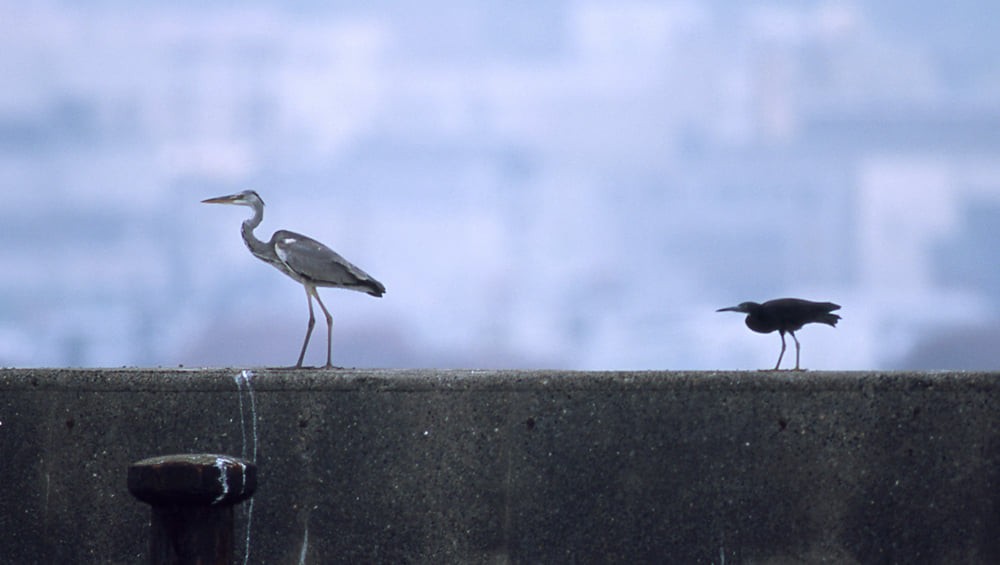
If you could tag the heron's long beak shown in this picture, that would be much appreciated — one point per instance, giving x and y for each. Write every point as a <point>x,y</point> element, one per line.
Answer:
<point>231,199</point>
<point>730,309</point>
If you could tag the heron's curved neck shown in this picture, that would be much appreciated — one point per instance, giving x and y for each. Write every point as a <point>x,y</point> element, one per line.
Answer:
<point>256,246</point>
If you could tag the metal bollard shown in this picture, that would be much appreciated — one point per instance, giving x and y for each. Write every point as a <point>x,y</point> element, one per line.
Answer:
<point>192,498</point>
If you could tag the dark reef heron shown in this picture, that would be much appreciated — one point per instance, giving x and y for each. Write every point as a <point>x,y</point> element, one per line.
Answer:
<point>785,315</point>
<point>304,259</point>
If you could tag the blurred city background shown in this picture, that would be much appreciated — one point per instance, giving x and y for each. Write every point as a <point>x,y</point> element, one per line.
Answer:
<point>559,184</point>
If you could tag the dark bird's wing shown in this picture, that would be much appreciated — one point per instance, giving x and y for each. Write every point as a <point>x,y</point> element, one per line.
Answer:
<point>317,264</point>
<point>791,314</point>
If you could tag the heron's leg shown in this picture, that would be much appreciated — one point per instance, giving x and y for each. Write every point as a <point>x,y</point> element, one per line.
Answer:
<point>329,328</point>
<point>782,354</point>
<point>309,330</point>
<point>796,351</point>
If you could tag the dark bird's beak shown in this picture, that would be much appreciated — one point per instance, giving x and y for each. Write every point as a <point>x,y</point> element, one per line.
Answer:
<point>231,199</point>
<point>730,309</point>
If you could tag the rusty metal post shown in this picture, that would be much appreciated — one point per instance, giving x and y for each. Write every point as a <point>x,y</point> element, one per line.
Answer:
<point>192,498</point>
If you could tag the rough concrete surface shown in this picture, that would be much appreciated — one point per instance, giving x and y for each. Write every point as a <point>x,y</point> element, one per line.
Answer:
<point>362,466</point>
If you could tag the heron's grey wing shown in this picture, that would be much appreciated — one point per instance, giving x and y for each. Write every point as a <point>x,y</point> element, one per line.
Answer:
<point>320,265</point>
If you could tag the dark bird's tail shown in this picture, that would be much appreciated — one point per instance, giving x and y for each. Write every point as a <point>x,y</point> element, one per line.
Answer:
<point>827,317</point>
<point>830,319</point>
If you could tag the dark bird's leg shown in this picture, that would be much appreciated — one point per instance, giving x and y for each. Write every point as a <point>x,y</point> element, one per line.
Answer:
<point>309,331</point>
<point>329,328</point>
<point>796,351</point>
<point>782,354</point>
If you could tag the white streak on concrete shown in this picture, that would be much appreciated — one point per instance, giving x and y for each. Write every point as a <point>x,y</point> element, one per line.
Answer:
<point>246,377</point>
<point>246,546</point>
<point>305,547</point>
<point>243,427</point>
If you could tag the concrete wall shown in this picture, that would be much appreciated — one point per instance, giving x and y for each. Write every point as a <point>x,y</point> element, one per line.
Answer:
<point>521,467</point>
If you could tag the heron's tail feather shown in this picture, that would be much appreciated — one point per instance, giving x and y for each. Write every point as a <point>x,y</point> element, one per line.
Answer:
<point>372,287</point>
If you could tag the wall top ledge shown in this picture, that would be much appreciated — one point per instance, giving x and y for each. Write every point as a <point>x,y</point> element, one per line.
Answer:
<point>443,380</point>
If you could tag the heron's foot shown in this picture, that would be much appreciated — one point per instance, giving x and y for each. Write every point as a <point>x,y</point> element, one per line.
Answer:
<point>334,367</point>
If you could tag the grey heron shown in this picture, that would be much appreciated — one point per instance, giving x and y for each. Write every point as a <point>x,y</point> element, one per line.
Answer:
<point>304,259</point>
<point>785,315</point>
